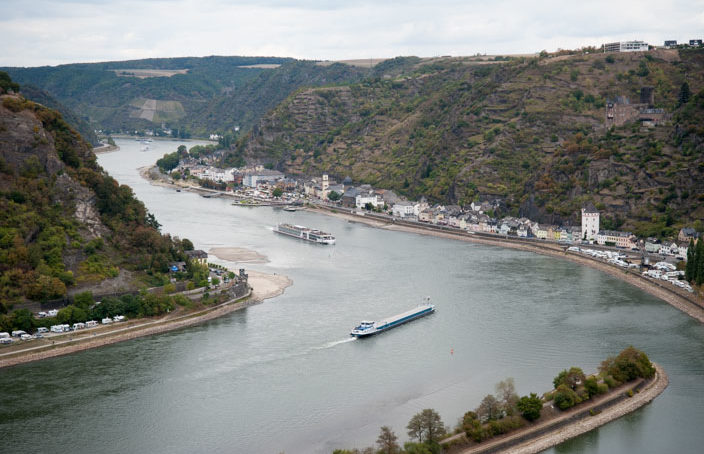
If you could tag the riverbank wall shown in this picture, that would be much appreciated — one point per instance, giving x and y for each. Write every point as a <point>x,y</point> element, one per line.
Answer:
<point>587,417</point>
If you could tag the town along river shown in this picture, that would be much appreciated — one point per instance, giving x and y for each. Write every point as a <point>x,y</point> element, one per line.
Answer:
<point>286,376</point>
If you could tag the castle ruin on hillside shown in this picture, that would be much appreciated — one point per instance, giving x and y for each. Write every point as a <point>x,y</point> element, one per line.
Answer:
<point>621,111</point>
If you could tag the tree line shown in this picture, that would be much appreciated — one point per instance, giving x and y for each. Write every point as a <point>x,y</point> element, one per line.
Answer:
<point>505,411</point>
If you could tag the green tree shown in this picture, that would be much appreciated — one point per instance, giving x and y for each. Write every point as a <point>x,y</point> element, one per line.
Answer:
<point>71,314</point>
<point>368,206</point>
<point>530,406</point>
<point>572,377</point>
<point>6,84</point>
<point>387,441</point>
<point>277,192</point>
<point>186,244</point>
<point>22,319</point>
<point>684,95</point>
<point>630,364</point>
<point>84,300</point>
<point>426,426</point>
<point>690,268</point>
<point>334,196</point>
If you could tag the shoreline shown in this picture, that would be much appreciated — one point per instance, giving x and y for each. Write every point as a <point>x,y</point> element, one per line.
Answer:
<point>575,422</point>
<point>268,286</point>
<point>669,296</point>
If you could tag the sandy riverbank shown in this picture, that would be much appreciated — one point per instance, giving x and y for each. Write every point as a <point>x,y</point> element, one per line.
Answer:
<point>553,250</point>
<point>238,254</point>
<point>264,285</point>
<point>105,149</point>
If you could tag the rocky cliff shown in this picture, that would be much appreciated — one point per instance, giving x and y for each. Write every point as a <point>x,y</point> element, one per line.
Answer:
<point>64,223</point>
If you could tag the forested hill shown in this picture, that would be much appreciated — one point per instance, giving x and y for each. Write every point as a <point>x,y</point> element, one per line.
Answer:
<point>65,223</point>
<point>82,127</point>
<point>530,132</point>
<point>196,96</point>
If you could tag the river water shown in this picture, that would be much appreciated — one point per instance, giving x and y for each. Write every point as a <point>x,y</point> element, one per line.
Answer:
<point>284,376</point>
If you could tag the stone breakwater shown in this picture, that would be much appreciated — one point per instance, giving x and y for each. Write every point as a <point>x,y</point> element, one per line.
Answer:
<point>578,421</point>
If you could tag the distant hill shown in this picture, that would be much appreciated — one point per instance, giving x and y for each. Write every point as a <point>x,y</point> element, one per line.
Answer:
<point>64,222</point>
<point>197,96</point>
<point>530,132</point>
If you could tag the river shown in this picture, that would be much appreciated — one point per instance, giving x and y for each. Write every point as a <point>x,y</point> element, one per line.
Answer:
<point>284,376</point>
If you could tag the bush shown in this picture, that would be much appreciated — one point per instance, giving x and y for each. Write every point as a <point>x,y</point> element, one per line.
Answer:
<point>530,406</point>
<point>565,397</point>
<point>603,388</point>
<point>611,382</point>
<point>591,385</point>
<point>504,425</point>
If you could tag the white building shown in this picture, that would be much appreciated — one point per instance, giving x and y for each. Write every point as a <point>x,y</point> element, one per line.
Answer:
<point>626,46</point>
<point>590,222</point>
<point>616,238</point>
<point>406,209</point>
<point>252,179</point>
<point>362,199</point>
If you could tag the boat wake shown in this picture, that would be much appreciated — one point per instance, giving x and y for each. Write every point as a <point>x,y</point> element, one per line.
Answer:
<point>332,344</point>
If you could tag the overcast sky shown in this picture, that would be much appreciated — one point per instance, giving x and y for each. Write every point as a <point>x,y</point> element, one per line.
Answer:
<point>51,32</point>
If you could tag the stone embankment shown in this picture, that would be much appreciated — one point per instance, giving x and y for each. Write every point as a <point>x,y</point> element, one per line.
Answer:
<point>577,421</point>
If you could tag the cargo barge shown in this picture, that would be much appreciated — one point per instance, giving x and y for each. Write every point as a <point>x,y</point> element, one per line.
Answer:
<point>368,328</point>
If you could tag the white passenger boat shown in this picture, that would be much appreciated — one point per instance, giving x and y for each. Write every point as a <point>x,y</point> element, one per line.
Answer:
<point>304,233</point>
